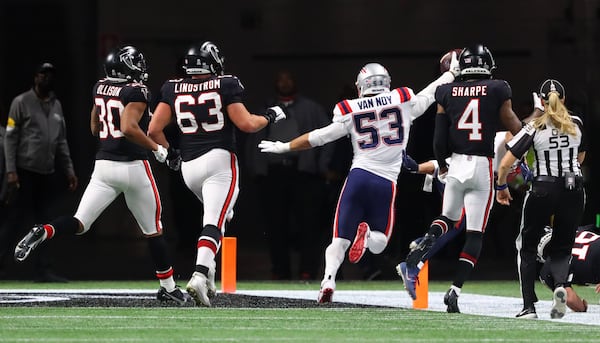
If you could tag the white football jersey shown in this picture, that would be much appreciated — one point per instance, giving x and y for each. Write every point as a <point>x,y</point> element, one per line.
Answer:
<point>379,128</point>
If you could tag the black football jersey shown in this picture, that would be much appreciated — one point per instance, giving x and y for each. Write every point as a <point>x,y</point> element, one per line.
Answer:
<point>585,262</point>
<point>473,108</point>
<point>200,108</point>
<point>110,99</point>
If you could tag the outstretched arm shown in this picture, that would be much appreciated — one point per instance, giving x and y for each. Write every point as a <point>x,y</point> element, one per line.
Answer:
<point>248,122</point>
<point>306,141</point>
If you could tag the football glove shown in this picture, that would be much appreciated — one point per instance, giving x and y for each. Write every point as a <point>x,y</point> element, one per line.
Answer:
<point>526,172</point>
<point>173,159</point>
<point>537,102</point>
<point>454,65</point>
<point>274,114</point>
<point>274,147</point>
<point>160,153</point>
<point>408,163</point>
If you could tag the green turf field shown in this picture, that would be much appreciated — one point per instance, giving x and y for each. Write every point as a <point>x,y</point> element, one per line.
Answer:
<point>56,324</point>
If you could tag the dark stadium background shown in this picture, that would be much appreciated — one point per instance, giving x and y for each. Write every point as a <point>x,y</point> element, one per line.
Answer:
<point>324,43</point>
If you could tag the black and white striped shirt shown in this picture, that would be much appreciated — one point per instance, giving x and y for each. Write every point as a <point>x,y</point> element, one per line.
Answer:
<point>555,152</point>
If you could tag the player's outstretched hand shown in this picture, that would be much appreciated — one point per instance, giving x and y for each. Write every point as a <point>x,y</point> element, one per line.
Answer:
<point>274,147</point>
<point>274,114</point>
<point>454,65</point>
<point>160,153</point>
<point>537,102</point>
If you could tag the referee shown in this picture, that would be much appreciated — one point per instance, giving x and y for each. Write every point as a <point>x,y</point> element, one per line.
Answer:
<point>557,190</point>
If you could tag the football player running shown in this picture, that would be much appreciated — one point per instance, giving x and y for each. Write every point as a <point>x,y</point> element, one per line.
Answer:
<point>207,107</point>
<point>119,118</point>
<point>520,173</point>
<point>470,112</point>
<point>378,123</point>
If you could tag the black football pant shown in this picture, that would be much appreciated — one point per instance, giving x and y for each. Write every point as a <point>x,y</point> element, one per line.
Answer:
<point>544,200</point>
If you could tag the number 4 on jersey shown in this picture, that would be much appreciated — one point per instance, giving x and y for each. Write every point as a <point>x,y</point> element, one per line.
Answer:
<point>469,120</point>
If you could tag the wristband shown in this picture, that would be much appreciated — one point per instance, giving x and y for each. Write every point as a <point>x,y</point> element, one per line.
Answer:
<point>501,187</point>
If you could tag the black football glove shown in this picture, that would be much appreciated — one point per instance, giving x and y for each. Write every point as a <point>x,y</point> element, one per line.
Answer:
<point>274,114</point>
<point>173,159</point>
<point>408,163</point>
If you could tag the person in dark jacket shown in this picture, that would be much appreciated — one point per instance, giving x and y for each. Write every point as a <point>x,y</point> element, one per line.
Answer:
<point>35,142</point>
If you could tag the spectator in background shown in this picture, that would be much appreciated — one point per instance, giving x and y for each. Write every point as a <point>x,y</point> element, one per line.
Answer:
<point>293,188</point>
<point>35,142</point>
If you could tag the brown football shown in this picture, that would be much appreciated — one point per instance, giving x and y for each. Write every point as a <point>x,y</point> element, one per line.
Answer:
<point>445,60</point>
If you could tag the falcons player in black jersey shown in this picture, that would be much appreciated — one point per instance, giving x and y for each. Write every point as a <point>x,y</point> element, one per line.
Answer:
<point>207,107</point>
<point>119,119</point>
<point>470,111</point>
<point>584,268</point>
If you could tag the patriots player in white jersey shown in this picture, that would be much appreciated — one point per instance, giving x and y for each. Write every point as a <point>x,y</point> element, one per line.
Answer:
<point>378,123</point>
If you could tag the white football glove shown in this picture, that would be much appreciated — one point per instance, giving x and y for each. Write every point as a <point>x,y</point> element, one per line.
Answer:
<point>274,114</point>
<point>454,65</point>
<point>274,147</point>
<point>160,153</point>
<point>537,102</point>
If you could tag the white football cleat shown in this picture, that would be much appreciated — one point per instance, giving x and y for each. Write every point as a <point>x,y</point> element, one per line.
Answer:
<point>326,292</point>
<point>197,287</point>
<point>559,303</point>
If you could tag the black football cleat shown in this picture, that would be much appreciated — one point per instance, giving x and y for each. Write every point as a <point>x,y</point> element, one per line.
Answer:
<point>34,237</point>
<point>451,300</point>
<point>175,295</point>
<point>417,253</point>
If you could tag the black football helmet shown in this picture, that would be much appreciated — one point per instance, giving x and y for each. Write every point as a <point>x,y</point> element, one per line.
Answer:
<point>476,62</point>
<point>203,58</point>
<point>126,64</point>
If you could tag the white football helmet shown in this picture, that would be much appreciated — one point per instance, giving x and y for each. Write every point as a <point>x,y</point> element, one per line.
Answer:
<point>373,79</point>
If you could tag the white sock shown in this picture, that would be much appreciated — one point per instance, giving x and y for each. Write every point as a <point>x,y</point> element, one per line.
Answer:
<point>205,257</point>
<point>334,257</point>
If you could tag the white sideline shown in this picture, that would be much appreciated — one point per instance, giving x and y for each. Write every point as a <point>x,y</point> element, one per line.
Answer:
<point>475,304</point>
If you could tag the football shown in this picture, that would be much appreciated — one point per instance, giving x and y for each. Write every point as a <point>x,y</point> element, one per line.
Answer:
<point>445,60</point>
